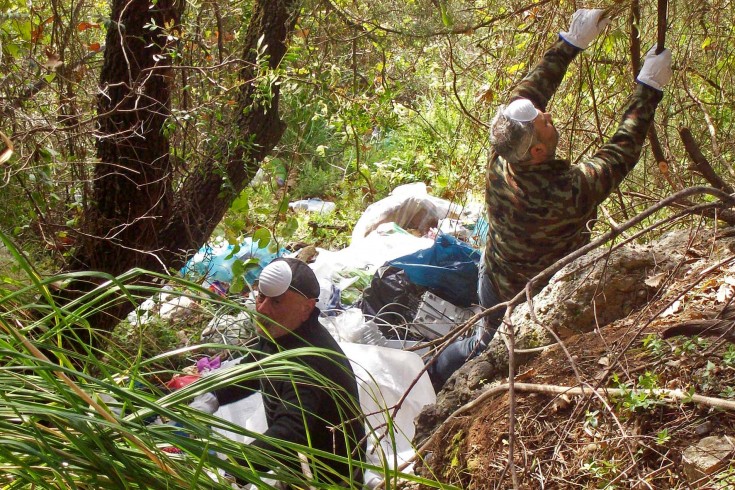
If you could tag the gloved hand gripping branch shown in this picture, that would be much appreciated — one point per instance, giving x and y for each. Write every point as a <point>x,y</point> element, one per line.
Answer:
<point>585,26</point>
<point>656,71</point>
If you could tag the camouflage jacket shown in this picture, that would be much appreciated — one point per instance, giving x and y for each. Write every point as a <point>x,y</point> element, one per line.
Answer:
<point>539,213</point>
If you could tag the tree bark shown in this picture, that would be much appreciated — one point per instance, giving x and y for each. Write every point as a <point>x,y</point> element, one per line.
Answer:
<point>137,219</point>
<point>132,186</point>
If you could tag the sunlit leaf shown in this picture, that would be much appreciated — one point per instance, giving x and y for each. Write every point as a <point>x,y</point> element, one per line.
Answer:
<point>241,204</point>
<point>514,68</point>
<point>12,49</point>
<point>24,29</point>
<point>290,227</point>
<point>261,237</point>
<point>446,15</point>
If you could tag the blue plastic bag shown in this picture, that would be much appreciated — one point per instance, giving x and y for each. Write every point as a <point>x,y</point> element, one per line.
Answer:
<point>215,264</point>
<point>449,268</point>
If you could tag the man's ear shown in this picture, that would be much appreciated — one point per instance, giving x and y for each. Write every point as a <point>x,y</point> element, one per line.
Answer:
<point>307,308</point>
<point>538,152</point>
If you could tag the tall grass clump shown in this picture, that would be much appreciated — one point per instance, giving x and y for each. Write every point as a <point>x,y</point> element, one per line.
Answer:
<point>103,419</point>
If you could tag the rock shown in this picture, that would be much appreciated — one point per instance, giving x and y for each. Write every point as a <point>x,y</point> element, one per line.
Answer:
<point>597,289</point>
<point>307,254</point>
<point>706,458</point>
<point>703,429</point>
<point>229,329</point>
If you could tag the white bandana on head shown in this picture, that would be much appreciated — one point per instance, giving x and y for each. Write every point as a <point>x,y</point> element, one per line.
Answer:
<point>521,110</point>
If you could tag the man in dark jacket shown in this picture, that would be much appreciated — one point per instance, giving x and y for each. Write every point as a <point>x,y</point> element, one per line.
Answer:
<point>321,411</point>
<point>541,208</point>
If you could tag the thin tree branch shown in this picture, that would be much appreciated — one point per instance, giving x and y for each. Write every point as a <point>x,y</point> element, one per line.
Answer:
<point>701,164</point>
<point>663,7</point>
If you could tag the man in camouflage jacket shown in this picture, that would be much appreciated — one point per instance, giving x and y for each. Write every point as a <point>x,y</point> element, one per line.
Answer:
<point>541,208</point>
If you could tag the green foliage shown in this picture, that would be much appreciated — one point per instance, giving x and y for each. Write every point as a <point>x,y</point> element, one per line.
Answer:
<point>602,472</point>
<point>728,358</point>
<point>655,345</point>
<point>316,182</point>
<point>102,419</point>
<point>691,346</point>
<point>663,437</point>
<point>642,397</point>
<point>456,451</point>
<point>374,95</point>
<point>725,479</point>
<point>150,339</point>
<point>591,423</point>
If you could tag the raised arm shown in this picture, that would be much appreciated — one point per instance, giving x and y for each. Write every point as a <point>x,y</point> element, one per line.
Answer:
<point>606,169</point>
<point>541,83</point>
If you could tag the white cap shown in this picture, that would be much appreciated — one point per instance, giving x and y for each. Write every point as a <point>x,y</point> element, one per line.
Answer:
<point>275,279</point>
<point>521,110</point>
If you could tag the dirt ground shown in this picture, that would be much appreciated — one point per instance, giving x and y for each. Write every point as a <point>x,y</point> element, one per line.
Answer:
<point>635,440</point>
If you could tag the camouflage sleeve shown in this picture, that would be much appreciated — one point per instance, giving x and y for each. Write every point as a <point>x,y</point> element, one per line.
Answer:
<point>541,83</point>
<point>599,175</point>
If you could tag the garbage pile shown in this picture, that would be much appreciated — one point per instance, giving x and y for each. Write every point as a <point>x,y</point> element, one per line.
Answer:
<point>410,288</point>
<point>388,290</point>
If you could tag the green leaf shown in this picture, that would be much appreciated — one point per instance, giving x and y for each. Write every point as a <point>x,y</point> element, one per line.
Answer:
<point>12,50</point>
<point>261,237</point>
<point>283,205</point>
<point>241,204</point>
<point>50,77</point>
<point>238,268</point>
<point>514,68</point>
<point>235,250</point>
<point>446,16</point>
<point>24,29</point>
<point>238,284</point>
<point>290,227</point>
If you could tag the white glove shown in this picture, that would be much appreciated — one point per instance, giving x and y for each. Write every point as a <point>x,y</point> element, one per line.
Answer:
<point>656,71</point>
<point>586,25</point>
<point>206,403</point>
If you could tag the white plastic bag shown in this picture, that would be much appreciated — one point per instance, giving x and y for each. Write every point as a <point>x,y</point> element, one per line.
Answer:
<point>367,254</point>
<point>410,207</point>
<point>313,205</point>
<point>383,375</point>
<point>351,326</point>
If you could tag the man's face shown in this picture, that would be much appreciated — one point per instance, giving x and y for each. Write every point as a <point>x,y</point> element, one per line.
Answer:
<point>546,133</point>
<point>282,314</point>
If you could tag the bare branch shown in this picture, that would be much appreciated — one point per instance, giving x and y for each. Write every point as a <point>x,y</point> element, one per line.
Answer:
<point>701,164</point>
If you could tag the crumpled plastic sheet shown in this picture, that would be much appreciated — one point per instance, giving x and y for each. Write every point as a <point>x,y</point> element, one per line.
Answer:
<point>384,375</point>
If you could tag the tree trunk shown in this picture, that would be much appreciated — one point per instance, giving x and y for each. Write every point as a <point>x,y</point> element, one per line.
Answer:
<point>132,186</point>
<point>137,220</point>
